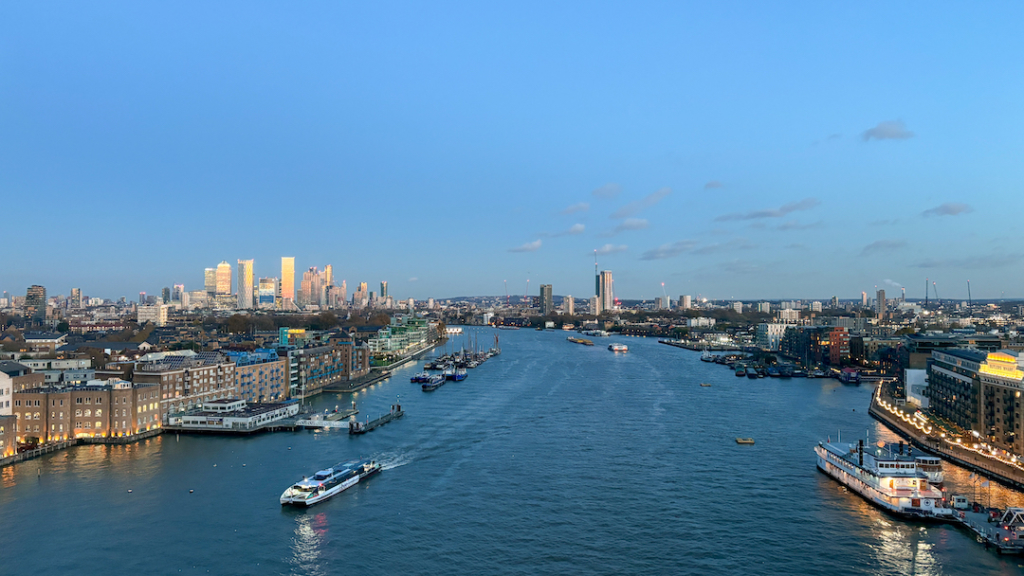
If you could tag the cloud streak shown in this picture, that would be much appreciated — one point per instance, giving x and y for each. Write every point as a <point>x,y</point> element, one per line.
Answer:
<point>635,207</point>
<point>794,225</point>
<point>610,190</point>
<point>528,247</point>
<point>611,249</point>
<point>572,231</point>
<point>948,209</point>
<point>805,204</point>
<point>888,130</point>
<point>669,250</point>
<point>627,225</point>
<point>880,246</point>
<point>712,184</point>
<point>577,207</point>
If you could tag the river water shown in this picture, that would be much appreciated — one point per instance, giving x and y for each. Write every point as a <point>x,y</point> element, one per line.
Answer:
<point>553,458</point>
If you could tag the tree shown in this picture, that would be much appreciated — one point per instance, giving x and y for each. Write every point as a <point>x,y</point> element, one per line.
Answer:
<point>63,326</point>
<point>237,324</point>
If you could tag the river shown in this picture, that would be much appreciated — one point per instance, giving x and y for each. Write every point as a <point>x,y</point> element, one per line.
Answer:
<point>553,458</point>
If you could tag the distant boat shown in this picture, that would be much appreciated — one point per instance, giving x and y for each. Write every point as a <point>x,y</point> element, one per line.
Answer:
<point>744,440</point>
<point>618,348</point>
<point>705,384</point>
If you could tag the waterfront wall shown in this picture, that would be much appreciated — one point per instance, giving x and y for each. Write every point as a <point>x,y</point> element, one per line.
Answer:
<point>56,446</point>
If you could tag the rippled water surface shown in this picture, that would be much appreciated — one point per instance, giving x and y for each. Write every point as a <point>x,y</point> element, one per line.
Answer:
<point>553,458</point>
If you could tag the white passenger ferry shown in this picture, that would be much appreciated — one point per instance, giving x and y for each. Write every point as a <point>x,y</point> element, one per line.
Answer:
<point>887,479</point>
<point>327,483</point>
<point>618,348</point>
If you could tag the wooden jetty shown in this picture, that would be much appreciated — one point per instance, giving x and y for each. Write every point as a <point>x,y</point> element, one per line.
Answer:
<point>356,427</point>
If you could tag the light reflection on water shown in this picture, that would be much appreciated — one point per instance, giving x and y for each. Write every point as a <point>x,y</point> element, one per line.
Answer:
<point>308,543</point>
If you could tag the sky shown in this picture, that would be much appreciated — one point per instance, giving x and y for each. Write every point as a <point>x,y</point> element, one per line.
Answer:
<point>732,150</point>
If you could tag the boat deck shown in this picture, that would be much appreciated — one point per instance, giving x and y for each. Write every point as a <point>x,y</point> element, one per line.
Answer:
<point>991,534</point>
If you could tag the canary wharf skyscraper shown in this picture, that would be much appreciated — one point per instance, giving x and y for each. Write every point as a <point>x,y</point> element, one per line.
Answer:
<point>288,278</point>
<point>245,285</point>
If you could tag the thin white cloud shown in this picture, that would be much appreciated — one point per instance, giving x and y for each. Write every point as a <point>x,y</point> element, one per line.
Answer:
<point>634,207</point>
<point>572,231</point>
<point>880,246</point>
<point>629,224</point>
<point>888,130</point>
<point>577,207</point>
<point>794,225</point>
<point>413,279</point>
<point>948,209</point>
<point>669,250</point>
<point>805,204</point>
<point>611,249</point>
<point>610,190</point>
<point>713,184</point>
<point>528,247</point>
<point>735,244</point>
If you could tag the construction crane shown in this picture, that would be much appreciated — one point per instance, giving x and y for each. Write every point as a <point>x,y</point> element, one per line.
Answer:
<point>970,305</point>
<point>508,299</point>
<point>938,302</point>
<point>526,297</point>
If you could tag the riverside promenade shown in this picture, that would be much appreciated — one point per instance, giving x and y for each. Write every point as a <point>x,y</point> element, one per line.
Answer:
<point>900,421</point>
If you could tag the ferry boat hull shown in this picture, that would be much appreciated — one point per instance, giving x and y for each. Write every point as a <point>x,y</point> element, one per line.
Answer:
<point>922,508</point>
<point>312,491</point>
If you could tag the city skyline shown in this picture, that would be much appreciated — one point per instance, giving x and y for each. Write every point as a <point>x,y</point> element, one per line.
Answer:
<point>772,152</point>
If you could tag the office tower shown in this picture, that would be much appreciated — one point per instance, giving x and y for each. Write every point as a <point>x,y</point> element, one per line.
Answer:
<point>764,307</point>
<point>606,291</point>
<point>210,281</point>
<point>343,292</point>
<point>547,303</point>
<point>288,278</point>
<point>223,279</point>
<point>685,302</point>
<point>311,287</point>
<point>142,297</point>
<point>384,290</point>
<point>165,295</point>
<point>76,298</point>
<point>595,305</point>
<point>864,299</point>
<point>267,294</point>
<point>880,303</point>
<point>816,306</point>
<point>835,302</point>
<point>567,305</point>
<point>35,303</point>
<point>245,284</point>
<point>178,293</point>
<point>328,276</point>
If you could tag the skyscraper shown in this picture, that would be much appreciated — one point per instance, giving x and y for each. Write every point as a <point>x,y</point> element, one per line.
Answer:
<point>547,303</point>
<point>178,293</point>
<point>165,295</point>
<point>567,305</point>
<point>880,303</point>
<point>606,291</point>
<point>328,276</point>
<point>384,290</point>
<point>35,303</point>
<point>76,298</point>
<point>864,299</point>
<point>210,281</point>
<point>288,278</point>
<point>245,285</point>
<point>267,293</point>
<point>686,302</point>
<point>223,279</point>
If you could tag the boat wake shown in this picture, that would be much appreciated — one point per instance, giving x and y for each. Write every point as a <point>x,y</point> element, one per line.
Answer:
<point>391,460</point>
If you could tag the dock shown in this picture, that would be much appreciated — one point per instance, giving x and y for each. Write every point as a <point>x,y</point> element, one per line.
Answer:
<point>355,427</point>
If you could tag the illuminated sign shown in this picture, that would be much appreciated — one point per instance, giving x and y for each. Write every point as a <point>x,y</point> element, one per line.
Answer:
<point>1002,365</point>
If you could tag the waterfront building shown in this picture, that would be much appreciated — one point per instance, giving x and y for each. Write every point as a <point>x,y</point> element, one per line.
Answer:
<point>606,290</point>
<point>288,278</point>
<point>156,314</point>
<point>700,322</point>
<point>35,303</point>
<point>979,391</point>
<point>311,369</point>
<point>99,408</point>
<point>76,299</point>
<point>8,435</point>
<point>245,284</point>
<point>769,336</point>
<point>267,293</point>
<point>813,345</point>
<point>260,375</point>
<point>568,307</point>
<point>880,303</point>
<point>547,303</point>
<point>403,335</point>
<point>595,305</point>
<point>232,414</point>
<point>187,380</point>
<point>685,302</point>
<point>6,393</point>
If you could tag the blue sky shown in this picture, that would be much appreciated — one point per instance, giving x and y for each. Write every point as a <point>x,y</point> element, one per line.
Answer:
<point>728,149</point>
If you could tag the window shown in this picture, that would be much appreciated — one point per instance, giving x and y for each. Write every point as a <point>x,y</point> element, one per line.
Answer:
<point>88,413</point>
<point>78,400</point>
<point>78,412</point>
<point>99,413</point>
<point>99,425</point>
